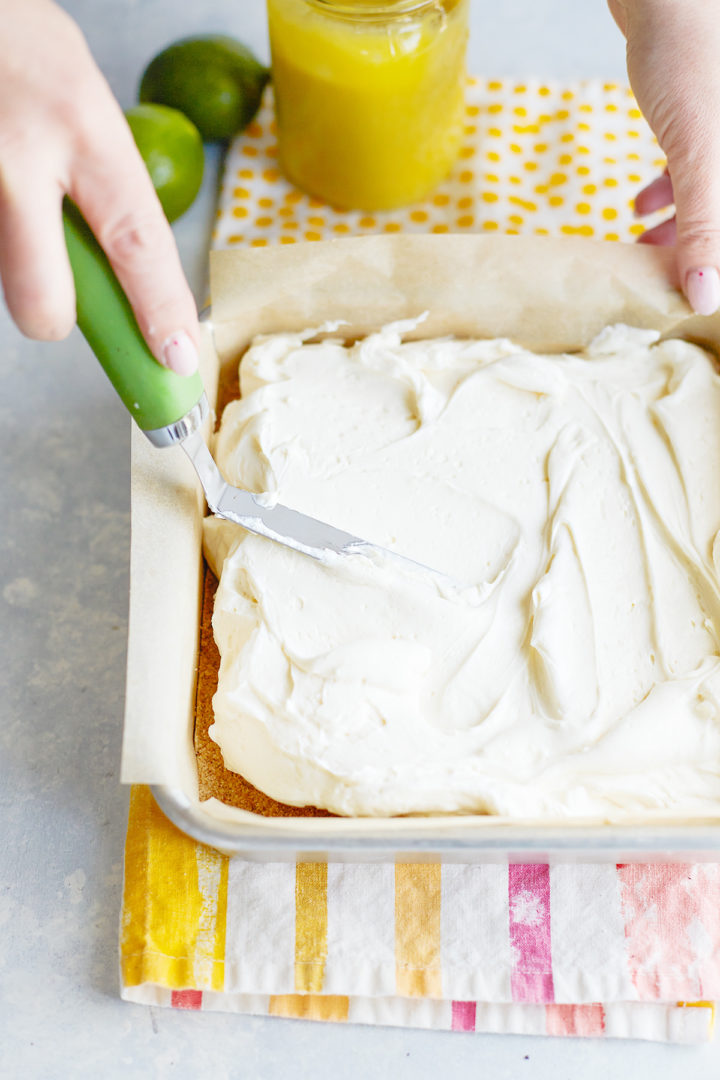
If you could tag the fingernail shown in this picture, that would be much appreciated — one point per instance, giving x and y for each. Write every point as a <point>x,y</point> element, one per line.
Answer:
<point>179,354</point>
<point>702,288</point>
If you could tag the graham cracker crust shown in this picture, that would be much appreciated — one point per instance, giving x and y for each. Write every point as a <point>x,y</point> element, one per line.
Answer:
<point>215,781</point>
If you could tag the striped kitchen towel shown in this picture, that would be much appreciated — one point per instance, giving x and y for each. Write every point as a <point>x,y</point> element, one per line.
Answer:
<point>605,950</point>
<point>599,950</point>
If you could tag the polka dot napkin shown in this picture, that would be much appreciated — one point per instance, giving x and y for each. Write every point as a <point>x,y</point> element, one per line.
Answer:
<point>543,158</point>
<point>594,950</point>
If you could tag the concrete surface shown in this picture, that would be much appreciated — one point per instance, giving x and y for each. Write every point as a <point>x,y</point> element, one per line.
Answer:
<point>63,604</point>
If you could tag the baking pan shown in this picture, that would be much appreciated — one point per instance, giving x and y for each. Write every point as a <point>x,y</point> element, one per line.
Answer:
<point>554,295</point>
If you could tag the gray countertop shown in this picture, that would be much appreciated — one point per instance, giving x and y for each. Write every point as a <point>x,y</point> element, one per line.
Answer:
<point>64,589</point>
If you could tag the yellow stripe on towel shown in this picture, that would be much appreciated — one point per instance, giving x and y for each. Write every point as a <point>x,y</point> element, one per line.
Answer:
<point>710,1005</point>
<point>310,926</point>
<point>175,904</point>
<point>417,930</point>
<point>309,1006</point>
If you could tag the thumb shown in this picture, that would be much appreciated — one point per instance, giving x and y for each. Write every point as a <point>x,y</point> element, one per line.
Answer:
<point>696,189</point>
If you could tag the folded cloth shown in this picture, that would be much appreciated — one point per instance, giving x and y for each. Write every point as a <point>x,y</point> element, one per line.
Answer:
<point>585,949</point>
<point>545,158</point>
<point>589,949</point>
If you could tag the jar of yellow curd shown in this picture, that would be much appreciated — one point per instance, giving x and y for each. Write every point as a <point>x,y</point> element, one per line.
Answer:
<point>369,96</point>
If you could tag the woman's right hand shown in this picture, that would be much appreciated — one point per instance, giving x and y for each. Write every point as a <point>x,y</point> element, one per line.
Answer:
<point>63,133</point>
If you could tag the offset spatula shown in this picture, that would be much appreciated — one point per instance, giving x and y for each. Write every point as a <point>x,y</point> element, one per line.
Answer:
<point>170,408</point>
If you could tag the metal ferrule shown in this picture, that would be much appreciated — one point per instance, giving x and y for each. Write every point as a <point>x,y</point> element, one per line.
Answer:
<point>186,425</point>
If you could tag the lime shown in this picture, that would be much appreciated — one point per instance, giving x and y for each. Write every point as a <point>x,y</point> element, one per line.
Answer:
<point>213,79</point>
<point>171,147</point>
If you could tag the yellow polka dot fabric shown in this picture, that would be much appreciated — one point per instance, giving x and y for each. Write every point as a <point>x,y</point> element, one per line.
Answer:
<point>537,157</point>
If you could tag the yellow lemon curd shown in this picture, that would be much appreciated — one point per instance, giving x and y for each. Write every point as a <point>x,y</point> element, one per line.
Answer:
<point>369,96</point>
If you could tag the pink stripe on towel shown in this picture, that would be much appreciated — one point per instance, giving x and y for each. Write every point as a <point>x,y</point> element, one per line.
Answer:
<point>531,979</point>
<point>186,999</point>
<point>463,1016</point>
<point>574,1020</point>
<point>672,929</point>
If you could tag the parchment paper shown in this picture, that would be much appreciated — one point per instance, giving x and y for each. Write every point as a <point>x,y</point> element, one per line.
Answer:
<point>544,294</point>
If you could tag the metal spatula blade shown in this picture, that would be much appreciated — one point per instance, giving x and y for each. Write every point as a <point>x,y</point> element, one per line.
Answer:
<point>279,523</point>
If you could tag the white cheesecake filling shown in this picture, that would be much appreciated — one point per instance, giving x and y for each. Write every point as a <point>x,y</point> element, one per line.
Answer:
<point>578,494</point>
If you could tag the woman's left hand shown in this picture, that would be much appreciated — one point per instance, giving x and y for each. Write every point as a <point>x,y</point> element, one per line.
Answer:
<point>672,57</point>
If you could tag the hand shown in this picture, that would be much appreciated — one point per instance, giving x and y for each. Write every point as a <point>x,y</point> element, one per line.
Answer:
<point>62,132</point>
<point>673,48</point>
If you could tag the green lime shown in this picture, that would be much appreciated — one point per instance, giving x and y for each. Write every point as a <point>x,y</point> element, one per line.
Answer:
<point>214,79</point>
<point>171,147</point>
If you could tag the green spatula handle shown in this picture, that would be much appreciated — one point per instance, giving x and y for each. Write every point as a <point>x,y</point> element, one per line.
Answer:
<point>154,396</point>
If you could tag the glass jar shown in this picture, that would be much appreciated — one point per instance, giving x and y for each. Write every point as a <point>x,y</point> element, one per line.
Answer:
<point>369,96</point>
